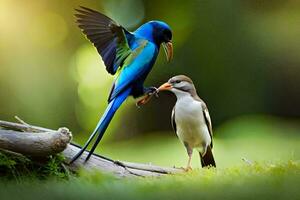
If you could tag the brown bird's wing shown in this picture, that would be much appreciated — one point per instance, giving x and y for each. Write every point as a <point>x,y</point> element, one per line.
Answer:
<point>208,122</point>
<point>111,40</point>
<point>173,122</point>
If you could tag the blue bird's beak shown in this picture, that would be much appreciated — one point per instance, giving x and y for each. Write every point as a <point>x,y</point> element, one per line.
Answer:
<point>168,48</point>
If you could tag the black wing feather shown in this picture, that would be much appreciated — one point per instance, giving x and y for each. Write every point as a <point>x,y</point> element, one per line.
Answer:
<point>208,122</point>
<point>173,122</point>
<point>106,35</point>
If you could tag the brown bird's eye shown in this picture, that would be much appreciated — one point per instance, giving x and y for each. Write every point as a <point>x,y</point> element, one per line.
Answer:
<point>178,81</point>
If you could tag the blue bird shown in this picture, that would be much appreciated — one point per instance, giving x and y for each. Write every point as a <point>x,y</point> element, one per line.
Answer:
<point>128,55</point>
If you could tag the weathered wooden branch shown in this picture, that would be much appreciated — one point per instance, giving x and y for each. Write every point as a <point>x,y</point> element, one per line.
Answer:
<point>119,168</point>
<point>35,144</point>
<point>40,142</point>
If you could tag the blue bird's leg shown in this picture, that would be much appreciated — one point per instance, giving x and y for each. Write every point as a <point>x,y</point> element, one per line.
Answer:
<point>151,91</point>
<point>148,93</point>
<point>139,90</point>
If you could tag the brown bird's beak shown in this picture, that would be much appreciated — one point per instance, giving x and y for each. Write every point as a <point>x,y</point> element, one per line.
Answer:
<point>168,47</point>
<point>165,86</point>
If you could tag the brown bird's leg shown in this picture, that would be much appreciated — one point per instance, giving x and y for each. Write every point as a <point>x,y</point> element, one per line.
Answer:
<point>189,167</point>
<point>190,153</point>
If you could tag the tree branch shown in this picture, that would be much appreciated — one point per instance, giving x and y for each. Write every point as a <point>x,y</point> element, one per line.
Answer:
<point>40,142</point>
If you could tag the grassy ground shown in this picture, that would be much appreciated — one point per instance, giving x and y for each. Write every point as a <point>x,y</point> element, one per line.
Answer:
<point>274,181</point>
<point>272,146</point>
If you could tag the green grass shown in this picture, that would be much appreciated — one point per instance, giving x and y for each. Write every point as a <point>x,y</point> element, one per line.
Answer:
<point>257,181</point>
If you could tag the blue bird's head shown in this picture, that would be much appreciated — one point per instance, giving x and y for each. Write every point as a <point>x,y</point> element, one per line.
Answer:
<point>159,33</point>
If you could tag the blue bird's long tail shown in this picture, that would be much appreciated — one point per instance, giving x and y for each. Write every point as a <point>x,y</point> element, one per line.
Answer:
<point>103,123</point>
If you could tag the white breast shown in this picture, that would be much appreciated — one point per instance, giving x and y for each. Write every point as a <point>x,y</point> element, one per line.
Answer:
<point>190,123</point>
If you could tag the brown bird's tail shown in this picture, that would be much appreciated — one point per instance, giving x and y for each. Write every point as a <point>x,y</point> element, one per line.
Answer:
<point>208,159</point>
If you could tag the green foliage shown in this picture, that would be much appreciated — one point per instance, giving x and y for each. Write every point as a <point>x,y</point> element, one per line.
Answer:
<point>13,166</point>
<point>19,168</point>
<point>55,167</point>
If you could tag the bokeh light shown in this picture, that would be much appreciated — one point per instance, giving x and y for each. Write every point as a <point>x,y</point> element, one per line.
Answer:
<point>128,13</point>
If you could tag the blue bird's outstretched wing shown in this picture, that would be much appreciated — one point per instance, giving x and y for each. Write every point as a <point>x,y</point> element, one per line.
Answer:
<point>111,40</point>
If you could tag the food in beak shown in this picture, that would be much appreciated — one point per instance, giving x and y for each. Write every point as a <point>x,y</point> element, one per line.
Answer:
<point>168,48</point>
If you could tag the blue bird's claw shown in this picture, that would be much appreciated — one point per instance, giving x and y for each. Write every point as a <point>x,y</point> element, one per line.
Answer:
<point>151,91</point>
<point>155,92</point>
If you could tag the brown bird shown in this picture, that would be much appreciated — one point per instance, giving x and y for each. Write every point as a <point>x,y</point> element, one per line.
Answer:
<point>190,120</point>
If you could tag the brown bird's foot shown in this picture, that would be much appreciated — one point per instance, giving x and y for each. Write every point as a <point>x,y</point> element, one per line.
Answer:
<point>187,169</point>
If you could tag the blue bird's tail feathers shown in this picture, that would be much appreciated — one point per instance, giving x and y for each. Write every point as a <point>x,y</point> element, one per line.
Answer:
<point>112,107</point>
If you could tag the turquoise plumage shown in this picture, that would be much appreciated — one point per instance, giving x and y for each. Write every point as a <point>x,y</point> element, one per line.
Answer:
<point>129,55</point>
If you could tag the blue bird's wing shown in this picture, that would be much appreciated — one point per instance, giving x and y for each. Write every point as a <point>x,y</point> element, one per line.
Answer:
<point>135,68</point>
<point>111,40</point>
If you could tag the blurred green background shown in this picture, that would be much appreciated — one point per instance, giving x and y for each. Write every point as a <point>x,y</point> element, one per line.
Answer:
<point>243,55</point>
